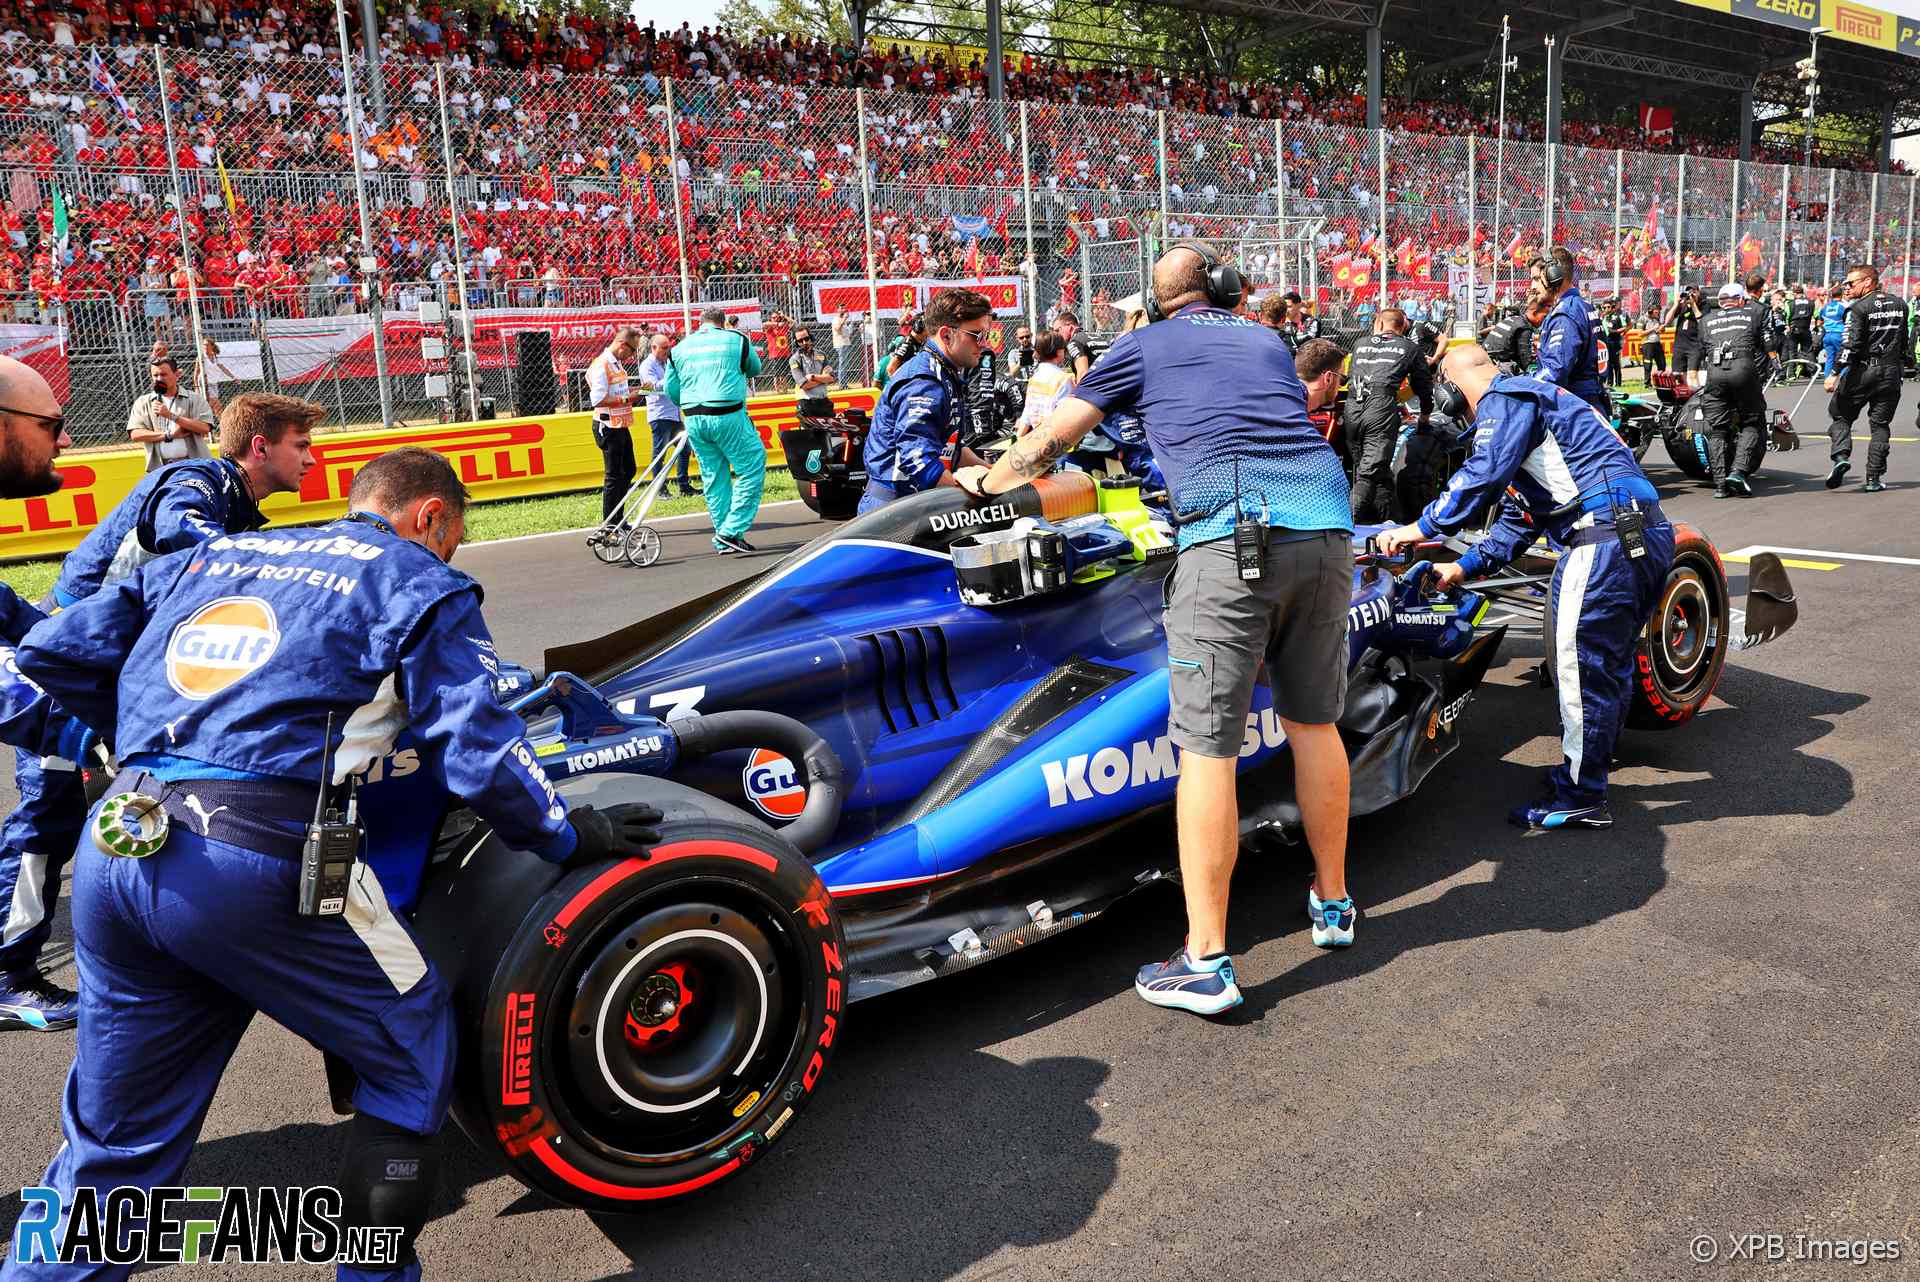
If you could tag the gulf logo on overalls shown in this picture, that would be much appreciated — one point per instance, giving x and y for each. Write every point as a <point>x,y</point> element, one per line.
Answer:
<point>772,785</point>
<point>223,642</point>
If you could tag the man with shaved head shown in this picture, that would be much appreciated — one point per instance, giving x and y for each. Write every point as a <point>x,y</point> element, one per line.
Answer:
<point>1557,468</point>
<point>32,432</point>
<point>1225,413</point>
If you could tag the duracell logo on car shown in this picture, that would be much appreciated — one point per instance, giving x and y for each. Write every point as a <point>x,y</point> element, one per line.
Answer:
<point>971,518</point>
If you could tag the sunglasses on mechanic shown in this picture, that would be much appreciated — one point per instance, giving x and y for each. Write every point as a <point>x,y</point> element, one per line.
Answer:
<point>56,424</point>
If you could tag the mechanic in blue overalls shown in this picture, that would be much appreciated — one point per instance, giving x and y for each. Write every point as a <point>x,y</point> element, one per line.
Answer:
<point>1557,468</point>
<point>924,404</point>
<point>1567,352</point>
<point>220,670</point>
<point>264,451</point>
<point>1833,327</point>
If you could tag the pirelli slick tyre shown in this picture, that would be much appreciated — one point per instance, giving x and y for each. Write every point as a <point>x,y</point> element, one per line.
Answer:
<point>652,1024</point>
<point>1683,649</point>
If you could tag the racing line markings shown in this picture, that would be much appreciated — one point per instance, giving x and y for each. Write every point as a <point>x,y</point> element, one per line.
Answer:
<point>1748,553</point>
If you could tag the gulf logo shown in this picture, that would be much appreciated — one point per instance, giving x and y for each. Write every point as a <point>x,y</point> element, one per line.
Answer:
<point>223,642</point>
<point>773,785</point>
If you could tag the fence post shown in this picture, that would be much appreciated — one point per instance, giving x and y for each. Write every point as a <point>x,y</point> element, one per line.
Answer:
<point>1786,181</point>
<point>1873,215</point>
<point>1619,201</point>
<point>1161,157</point>
<point>679,209</point>
<point>459,244</point>
<point>1680,227</point>
<point>1471,312</point>
<point>1733,227</point>
<point>866,218</point>
<point>1907,272</point>
<point>1546,205</point>
<point>1380,248</point>
<point>369,264</point>
<point>1280,188</point>
<point>1826,268</point>
<point>1032,271</point>
<point>179,203</point>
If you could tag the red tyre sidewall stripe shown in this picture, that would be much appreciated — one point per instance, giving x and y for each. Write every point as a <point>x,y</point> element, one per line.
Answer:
<point>543,1150</point>
<point>689,849</point>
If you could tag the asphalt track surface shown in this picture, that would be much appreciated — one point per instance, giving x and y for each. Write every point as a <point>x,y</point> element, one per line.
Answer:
<point>1556,1057</point>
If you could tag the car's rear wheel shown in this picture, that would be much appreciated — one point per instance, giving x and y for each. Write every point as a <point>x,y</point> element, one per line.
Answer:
<point>1681,652</point>
<point>1686,444</point>
<point>651,1024</point>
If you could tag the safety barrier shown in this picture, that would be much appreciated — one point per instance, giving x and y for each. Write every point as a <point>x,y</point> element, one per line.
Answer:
<point>496,459</point>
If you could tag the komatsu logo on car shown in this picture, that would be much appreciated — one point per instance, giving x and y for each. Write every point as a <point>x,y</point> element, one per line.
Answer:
<point>1109,770</point>
<point>594,758</point>
<point>1083,776</point>
<point>971,518</point>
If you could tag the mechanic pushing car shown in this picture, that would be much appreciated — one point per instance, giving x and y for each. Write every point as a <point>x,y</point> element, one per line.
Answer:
<point>1382,361</point>
<point>1264,573</point>
<point>925,403</point>
<point>264,447</point>
<point>1564,473</point>
<point>707,378</point>
<point>230,675</point>
<point>1568,355</point>
<point>1867,368</point>
<point>1731,409</point>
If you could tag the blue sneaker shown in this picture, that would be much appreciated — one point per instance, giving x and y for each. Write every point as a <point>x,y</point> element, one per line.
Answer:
<point>1551,816</point>
<point>31,1000</point>
<point>1333,919</point>
<point>1204,986</point>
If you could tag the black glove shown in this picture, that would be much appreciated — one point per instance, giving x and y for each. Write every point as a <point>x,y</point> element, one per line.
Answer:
<point>623,829</point>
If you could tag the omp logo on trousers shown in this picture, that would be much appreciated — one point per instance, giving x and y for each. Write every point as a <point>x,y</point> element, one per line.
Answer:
<point>223,642</point>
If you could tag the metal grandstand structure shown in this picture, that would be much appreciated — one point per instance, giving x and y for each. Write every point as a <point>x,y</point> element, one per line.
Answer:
<point>1612,54</point>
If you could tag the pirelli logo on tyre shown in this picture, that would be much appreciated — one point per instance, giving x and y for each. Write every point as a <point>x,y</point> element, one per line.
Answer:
<point>516,1050</point>
<point>223,642</point>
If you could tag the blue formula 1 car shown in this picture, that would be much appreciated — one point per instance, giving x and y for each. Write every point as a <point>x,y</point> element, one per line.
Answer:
<point>891,757</point>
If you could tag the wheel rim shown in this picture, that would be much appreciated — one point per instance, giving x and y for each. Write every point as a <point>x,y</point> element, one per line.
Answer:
<point>681,1018</point>
<point>1684,633</point>
<point>643,545</point>
<point>607,545</point>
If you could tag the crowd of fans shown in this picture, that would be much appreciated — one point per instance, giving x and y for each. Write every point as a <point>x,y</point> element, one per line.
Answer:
<point>566,189</point>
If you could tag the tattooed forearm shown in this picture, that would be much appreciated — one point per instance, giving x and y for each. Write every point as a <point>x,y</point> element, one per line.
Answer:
<point>1036,455</point>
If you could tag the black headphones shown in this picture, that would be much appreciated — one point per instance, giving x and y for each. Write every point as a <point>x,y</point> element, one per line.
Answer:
<point>1225,286</point>
<point>1552,272</point>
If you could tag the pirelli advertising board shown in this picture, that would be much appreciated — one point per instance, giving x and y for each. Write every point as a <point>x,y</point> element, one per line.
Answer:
<point>497,459</point>
<point>1859,24</point>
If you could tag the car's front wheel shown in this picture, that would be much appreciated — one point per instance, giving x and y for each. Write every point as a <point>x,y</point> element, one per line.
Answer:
<point>651,1024</point>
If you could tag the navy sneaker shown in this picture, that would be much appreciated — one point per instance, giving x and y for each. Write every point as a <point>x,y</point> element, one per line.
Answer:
<point>1204,986</point>
<point>31,1000</point>
<point>1839,473</point>
<point>1551,816</point>
<point>733,543</point>
<point>1332,919</point>
<point>723,548</point>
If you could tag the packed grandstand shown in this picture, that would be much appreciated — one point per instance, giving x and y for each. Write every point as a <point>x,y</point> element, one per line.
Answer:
<point>562,176</point>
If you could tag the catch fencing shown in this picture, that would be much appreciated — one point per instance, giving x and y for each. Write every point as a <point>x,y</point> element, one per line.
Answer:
<point>383,242</point>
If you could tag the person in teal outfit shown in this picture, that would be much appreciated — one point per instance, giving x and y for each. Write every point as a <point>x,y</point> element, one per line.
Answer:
<point>707,378</point>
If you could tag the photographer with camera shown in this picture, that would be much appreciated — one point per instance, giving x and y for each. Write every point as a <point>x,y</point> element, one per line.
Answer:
<point>172,422</point>
<point>1684,316</point>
